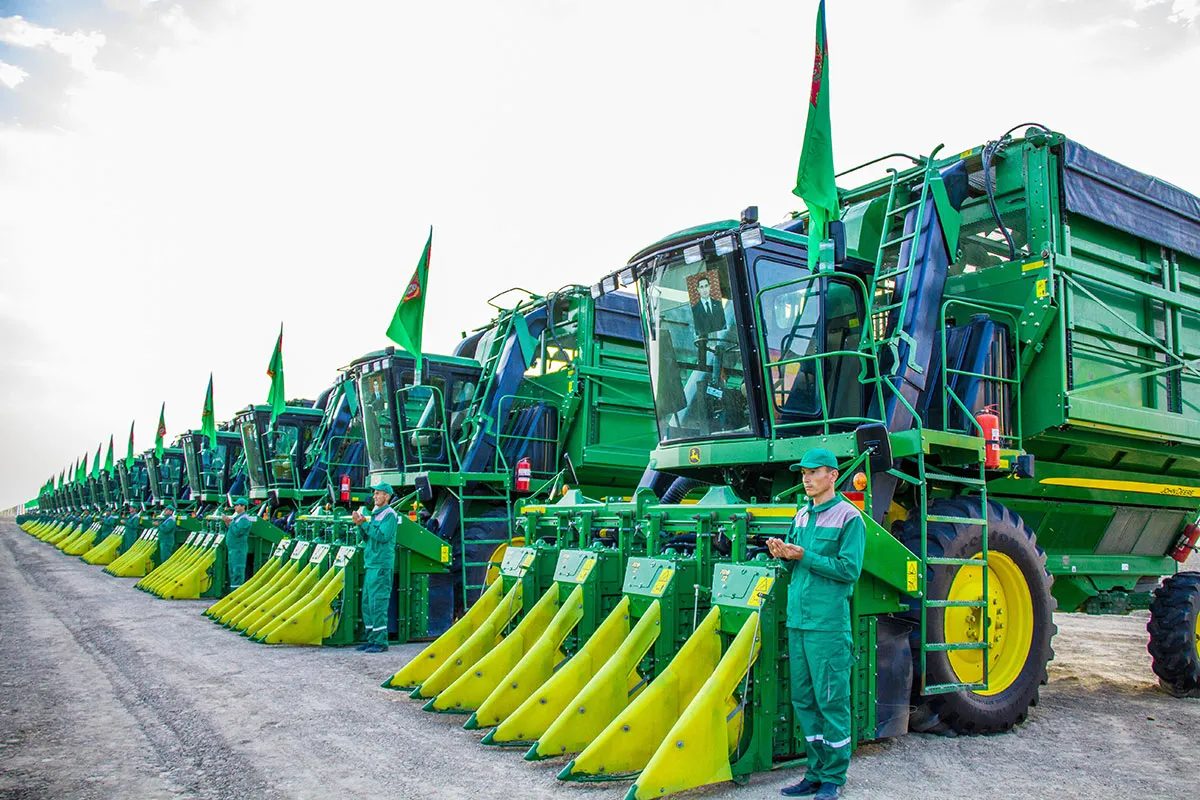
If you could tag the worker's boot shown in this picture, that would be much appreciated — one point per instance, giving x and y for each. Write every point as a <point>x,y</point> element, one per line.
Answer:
<point>801,789</point>
<point>828,791</point>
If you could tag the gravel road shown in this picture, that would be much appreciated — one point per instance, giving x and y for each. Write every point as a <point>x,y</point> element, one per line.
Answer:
<point>107,692</point>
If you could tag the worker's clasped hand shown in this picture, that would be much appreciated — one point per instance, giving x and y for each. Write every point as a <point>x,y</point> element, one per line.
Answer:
<point>778,548</point>
<point>357,517</point>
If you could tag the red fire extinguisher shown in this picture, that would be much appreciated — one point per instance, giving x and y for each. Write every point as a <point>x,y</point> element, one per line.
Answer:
<point>524,473</point>
<point>990,423</point>
<point>1185,545</point>
<point>345,489</point>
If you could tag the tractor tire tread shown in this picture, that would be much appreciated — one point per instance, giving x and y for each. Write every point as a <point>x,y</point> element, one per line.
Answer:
<point>965,712</point>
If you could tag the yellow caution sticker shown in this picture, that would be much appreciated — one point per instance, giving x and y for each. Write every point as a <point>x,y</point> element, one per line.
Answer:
<point>1042,288</point>
<point>445,554</point>
<point>1032,265</point>
<point>913,582</point>
<point>660,583</point>
<point>761,589</point>
<point>525,562</point>
<point>585,570</point>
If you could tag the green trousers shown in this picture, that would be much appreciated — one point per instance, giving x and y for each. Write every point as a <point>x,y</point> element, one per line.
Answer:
<point>166,546</point>
<point>130,536</point>
<point>237,566</point>
<point>820,663</point>
<point>376,592</point>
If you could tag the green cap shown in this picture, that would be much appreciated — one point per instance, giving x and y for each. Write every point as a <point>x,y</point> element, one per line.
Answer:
<point>382,487</point>
<point>168,504</point>
<point>240,501</point>
<point>817,457</point>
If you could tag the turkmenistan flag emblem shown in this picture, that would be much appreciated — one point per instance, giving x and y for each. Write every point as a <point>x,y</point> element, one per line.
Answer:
<point>208,422</point>
<point>161,433</point>
<point>815,176</point>
<point>275,397</point>
<point>409,319</point>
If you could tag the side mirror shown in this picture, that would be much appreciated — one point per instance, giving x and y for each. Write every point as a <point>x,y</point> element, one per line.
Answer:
<point>837,232</point>
<point>873,438</point>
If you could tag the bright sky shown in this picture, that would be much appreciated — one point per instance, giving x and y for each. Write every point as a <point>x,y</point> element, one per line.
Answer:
<point>178,178</point>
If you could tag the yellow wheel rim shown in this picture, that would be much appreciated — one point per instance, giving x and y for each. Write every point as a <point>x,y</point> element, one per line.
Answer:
<point>1198,636</point>
<point>497,558</point>
<point>1009,623</point>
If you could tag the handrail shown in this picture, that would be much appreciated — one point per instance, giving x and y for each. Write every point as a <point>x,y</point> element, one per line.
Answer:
<point>865,353</point>
<point>948,394</point>
<point>405,434</point>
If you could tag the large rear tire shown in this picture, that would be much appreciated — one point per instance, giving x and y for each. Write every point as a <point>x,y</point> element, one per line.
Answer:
<point>1175,634</point>
<point>1020,628</point>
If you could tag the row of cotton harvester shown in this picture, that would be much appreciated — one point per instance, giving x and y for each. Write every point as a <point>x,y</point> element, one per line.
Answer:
<point>998,348</point>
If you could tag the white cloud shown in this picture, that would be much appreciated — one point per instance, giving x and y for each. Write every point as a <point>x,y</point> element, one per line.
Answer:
<point>79,47</point>
<point>12,76</point>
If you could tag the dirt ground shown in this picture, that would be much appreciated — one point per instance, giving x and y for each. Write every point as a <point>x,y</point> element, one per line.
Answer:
<point>107,692</point>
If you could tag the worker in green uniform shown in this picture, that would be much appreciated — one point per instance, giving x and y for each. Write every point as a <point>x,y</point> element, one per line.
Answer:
<point>166,533</point>
<point>824,552</point>
<point>111,518</point>
<point>378,534</point>
<point>237,538</point>
<point>133,529</point>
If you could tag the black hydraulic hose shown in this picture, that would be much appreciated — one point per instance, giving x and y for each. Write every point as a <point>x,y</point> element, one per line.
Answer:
<point>679,489</point>
<point>989,150</point>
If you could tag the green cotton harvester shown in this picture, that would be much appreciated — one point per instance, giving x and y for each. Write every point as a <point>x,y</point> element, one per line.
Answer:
<point>1001,349</point>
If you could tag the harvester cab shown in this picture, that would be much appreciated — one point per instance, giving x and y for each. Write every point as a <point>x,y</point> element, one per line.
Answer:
<point>213,474</point>
<point>167,476</point>
<point>276,453</point>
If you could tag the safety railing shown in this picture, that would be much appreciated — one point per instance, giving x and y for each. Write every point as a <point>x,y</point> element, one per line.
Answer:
<point>424,446</point>
<point>865,354</point>
<point>950,398</point>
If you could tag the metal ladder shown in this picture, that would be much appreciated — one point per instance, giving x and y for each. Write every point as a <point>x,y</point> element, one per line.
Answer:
<point>893,238</point>
<point>929,475</point>
<point>472,590</point>
<point>483,421</point>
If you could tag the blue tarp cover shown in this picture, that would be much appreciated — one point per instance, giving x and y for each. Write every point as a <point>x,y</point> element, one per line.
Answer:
<point>1101,189</point>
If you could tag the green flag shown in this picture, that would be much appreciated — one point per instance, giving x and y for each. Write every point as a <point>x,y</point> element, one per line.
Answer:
<point>129,452</point>
<point>161,432</point>
<point>108,460</point>
<point>81,472</point>
<point>208,425</point>
<point>275,398</point>
<point>408,321</point>
<point>814,178</point>
<point>96,463</point>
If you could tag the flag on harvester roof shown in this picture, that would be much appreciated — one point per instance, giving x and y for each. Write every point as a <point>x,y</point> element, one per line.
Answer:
<point>108,460</point>
<point>815,177</point>
<point>409,320</point>
<point>275,398</point>
<point>208,424</point>
<point>81,470</point>
<point>129,452</point>
<point>96,463</point>
<point>161,432</point>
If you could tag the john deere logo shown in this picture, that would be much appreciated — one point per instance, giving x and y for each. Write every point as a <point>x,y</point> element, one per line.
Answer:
<point>694,455</point>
